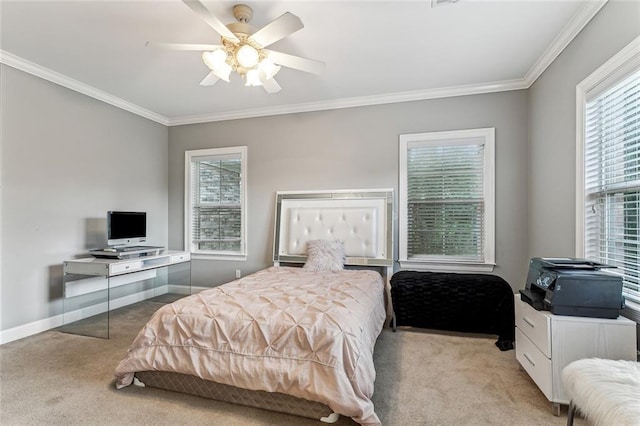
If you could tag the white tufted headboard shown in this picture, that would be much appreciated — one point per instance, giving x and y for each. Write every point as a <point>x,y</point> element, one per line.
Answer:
<point>361,219</point>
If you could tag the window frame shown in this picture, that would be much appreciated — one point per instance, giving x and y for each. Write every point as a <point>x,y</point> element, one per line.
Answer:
<point>192,156</point>
<point>453,264</point>
<point>620,66</point>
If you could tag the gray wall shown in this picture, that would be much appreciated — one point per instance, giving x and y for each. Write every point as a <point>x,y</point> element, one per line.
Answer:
<point>350,149</point>
<point>552,126</point>
<point>67,159</point>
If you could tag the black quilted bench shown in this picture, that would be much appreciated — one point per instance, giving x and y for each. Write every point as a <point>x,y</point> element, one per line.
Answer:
<point>474,303</point>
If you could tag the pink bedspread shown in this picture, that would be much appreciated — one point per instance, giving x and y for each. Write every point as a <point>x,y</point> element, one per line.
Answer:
<point>306,334</point>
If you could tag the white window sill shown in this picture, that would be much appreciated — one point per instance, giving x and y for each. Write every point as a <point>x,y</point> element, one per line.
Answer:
<point>446,266</point>
<point>218,256</point>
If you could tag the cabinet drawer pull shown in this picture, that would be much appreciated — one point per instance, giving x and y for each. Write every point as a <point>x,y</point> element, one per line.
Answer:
<point>528,321</point>
<point>529,359</point>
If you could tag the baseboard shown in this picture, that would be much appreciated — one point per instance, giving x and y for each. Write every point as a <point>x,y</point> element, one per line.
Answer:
<point>180,289</point>
<point>195,290</point>
<point>30,329</point>
<point>56,321</point>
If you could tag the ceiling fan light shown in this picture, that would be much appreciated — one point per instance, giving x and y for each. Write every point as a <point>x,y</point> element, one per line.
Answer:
<point>214,59</point>
<point>223,71</point>
<point>247,56</point>
<point>217,63</point>
<point>253,78</point>
<point>268,68</point>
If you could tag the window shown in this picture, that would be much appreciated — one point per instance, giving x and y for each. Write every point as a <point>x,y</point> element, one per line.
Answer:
<point>608,147</point>
<point>215,194</point>
<point>447,200</point>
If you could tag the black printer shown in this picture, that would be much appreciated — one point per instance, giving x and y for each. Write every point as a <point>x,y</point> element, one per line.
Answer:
<point>576,287</point>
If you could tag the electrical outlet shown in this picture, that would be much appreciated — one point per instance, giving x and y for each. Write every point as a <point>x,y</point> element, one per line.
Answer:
<point>237,273</point>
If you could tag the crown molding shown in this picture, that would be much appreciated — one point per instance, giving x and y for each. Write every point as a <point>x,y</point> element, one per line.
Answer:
<point>419,95</point>
<point>562,40</point>
<point>559,43</point>
<point>29,67</point>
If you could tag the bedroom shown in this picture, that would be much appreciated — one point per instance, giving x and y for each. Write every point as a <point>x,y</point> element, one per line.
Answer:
<point>67,158</point>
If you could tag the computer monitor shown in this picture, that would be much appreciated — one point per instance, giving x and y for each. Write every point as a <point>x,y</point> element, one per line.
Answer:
<point>126,228</point>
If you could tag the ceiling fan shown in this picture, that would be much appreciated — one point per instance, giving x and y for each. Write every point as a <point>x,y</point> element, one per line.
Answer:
<point>242,49</point>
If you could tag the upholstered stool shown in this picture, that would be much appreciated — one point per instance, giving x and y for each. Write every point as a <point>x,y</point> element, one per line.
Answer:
<point>606,392</point>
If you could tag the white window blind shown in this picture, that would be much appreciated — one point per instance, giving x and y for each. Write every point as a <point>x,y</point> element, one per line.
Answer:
<point>215,201</point>
<point>447,199</point>
<point>612,180</point>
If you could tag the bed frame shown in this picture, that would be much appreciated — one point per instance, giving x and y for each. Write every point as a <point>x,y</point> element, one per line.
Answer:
<point>363,220</point>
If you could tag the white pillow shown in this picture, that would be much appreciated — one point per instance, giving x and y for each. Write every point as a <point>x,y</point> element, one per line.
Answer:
<point>324,256</point>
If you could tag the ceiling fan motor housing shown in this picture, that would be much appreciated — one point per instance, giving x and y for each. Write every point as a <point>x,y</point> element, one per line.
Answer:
<point>243,31</point>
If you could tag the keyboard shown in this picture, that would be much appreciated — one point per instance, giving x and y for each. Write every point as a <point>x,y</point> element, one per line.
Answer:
<point>126,252</point>
<point>138,248</point>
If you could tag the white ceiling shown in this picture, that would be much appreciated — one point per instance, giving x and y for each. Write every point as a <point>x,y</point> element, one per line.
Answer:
<point>375,51</point>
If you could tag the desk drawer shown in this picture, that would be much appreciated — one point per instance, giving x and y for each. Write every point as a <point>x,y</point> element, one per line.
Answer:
<point>182,257</point>
<point>535,363</point>
<point>536,325</point>
<point>124,267</point>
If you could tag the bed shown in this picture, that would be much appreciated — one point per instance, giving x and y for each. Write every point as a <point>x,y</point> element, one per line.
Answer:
<point>287,338</point>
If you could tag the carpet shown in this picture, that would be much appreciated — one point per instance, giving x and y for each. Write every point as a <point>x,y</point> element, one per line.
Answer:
<point>423,378</point>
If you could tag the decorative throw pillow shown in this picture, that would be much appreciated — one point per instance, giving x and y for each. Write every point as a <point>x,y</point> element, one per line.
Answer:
<point>324,256</point>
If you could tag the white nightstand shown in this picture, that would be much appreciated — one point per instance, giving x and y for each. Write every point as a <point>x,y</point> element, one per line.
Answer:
<point>546,343</point>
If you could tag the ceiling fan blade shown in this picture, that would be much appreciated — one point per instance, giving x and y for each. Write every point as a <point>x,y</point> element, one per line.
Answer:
<point>296,62</point>
<point>277,29</point>
<point>213,22</point>
<point>209,80</point>
<point>183,46</point>
<point>271,85</point>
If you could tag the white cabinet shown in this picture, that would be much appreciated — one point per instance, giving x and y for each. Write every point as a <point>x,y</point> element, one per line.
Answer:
<point>546,343</point>
<point>93,287</point>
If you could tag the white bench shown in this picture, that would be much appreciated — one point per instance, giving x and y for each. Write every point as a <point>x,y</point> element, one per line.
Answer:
<point>606,392</point>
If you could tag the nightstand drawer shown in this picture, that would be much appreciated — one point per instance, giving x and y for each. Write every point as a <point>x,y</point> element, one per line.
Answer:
<point>123,267</point>
<point>536,325</point>
<point>535,363</point>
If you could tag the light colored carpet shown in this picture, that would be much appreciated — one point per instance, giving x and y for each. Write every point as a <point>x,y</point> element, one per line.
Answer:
<point>423,378</point>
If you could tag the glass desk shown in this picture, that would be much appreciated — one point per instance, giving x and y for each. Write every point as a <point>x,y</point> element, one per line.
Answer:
<point>93,287</point>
